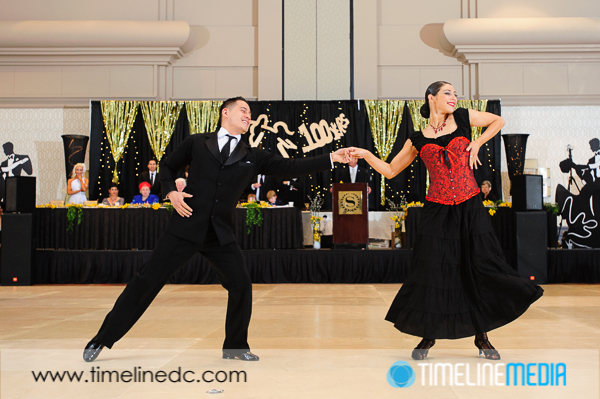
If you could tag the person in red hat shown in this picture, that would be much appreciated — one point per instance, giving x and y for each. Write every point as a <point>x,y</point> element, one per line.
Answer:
<point>144,197</point>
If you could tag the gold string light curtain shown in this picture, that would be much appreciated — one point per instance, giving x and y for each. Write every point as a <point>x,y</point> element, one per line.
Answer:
<point>160,118</point>
<point>203,115</point>
<point>385,117</point>
<point>118,120</point>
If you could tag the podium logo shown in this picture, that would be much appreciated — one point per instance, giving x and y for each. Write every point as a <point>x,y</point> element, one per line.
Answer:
<point>401,375</point>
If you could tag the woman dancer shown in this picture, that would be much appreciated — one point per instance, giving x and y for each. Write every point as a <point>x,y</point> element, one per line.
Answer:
<point>460,284</point>
<point>77,185</point>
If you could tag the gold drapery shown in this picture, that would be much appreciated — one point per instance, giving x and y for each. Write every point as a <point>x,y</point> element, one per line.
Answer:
<point>202,115</point>
<point>477,105</point>
<point>419,123</point>
<point>118,120</point>
<point>385,117</point>
<point>160,118</point>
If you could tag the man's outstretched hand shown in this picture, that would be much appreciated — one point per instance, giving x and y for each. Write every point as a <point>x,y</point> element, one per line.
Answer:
<point>179,204</point>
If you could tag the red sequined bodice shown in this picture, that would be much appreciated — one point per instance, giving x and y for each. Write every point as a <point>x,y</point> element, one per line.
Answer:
<point>451,179</point>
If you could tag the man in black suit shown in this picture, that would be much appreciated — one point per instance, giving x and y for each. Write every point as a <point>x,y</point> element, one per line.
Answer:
<point>152,177</point>
<point>220,167</point>
<point>352,173</point>
<point>260,185</point>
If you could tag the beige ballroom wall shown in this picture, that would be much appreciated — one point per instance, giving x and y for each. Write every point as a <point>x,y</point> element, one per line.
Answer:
<point>238,51</point>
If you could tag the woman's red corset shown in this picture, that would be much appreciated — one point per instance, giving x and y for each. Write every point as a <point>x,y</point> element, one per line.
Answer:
<point>451,178</point>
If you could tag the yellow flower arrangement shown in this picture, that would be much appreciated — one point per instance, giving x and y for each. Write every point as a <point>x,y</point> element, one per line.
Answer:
<point>503,204</point>
<point>156,206</point>
<point>314,219</point>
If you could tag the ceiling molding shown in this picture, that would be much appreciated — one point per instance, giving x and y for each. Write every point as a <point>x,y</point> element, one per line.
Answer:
<point>93,42</point>
<point>518,40</point>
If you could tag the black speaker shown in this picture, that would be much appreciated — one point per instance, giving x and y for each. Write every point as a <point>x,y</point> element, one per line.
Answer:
<point>526,191</point>
<point>531,245</point>
<point>20,194</point>
<point>17,249</point>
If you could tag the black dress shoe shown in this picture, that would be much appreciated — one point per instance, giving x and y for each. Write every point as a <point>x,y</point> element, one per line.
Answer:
<point>245,356</point>
<point>92,350</point>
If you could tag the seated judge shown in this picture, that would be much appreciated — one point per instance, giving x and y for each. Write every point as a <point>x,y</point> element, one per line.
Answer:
<point>486,192</point>
<point>272,198</point>
<point>113,199</point>
<point>152,177</point>
<point>145,197</point>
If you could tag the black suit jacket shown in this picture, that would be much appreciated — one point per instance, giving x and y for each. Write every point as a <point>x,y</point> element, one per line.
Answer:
<point>270,183</point>
<point>342,174</point>
<point>154,189</point>
<point>216,187</point>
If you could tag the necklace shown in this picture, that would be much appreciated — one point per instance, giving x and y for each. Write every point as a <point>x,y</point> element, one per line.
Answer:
<point>436,130</point>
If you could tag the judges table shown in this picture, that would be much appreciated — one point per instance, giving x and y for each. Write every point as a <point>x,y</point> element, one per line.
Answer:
<point>139,228</point>
<point>503,223</point>
<point>380,225</point>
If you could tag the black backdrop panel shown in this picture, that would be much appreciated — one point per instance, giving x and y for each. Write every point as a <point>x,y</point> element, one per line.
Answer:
<point>411,183</point>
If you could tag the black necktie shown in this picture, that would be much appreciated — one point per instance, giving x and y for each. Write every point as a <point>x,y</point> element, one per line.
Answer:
<point>226,150</point>
<point>151,179</point>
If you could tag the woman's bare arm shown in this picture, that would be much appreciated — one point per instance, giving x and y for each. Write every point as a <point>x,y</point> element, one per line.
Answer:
<point>389,170</point>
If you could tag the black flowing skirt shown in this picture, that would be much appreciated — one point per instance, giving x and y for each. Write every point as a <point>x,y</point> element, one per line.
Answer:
<point>459,284</point>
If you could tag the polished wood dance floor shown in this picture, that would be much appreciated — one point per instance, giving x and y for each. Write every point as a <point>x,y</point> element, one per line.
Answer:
<point>296,328</point>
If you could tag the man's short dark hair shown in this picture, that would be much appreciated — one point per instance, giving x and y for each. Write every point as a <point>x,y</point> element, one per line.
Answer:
<point>8,147</point>
<point>153,159</point>
<point>227,104</point>
<point>595,144</point>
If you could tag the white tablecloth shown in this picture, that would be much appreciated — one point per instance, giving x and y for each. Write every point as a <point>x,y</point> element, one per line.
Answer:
<point>380,225</point>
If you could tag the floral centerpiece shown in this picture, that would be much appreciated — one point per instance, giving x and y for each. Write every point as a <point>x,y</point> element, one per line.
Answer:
<point>314,205</point>
<point>399,215</point>
<point>253,213</point>
<point>491,205</point>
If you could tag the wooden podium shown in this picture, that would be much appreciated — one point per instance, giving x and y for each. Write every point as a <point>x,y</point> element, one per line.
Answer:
<point>350,217</point>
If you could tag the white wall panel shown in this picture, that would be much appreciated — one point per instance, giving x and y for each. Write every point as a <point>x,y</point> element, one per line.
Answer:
<point>365,49</point>
<point>402,45</point>
<point>453,75</point>
<point>546,78</point>
<point>333,50</point>
<point>233,82</point>
<point>194,83</point>
<point>417,12</point>
<point>400,82</point>
<point>499,79</point>
<point>584,78</point>
<point>215,13</point>
<point>132,82</point>
<point>7,81</point>
<point>90,82</point>
<point>38,81</point>
<point>300,44</point>
<point>222,46</point>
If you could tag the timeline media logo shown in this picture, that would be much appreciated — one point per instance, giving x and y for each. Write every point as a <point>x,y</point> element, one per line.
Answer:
<point>401,375</point>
